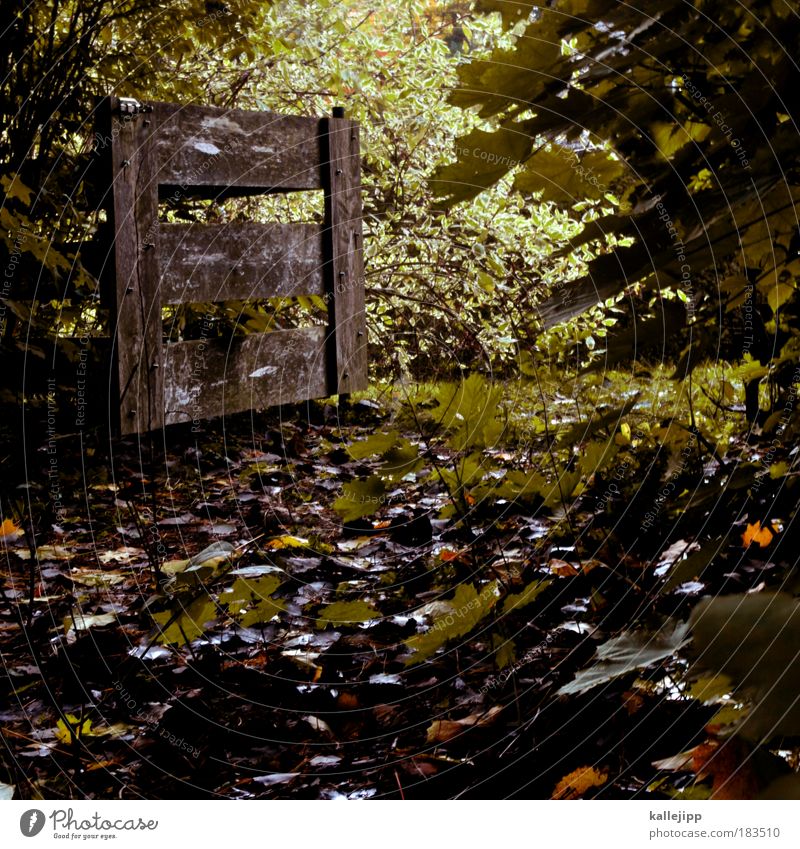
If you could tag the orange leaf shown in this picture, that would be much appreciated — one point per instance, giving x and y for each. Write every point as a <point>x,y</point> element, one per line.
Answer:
<point>447,555</point>
<point>9,529</point>
<point>574,785</point>
<point>755,533</point>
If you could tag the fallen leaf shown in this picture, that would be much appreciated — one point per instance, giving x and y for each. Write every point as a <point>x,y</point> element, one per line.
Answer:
<point>202,565</point>
<point>562,568</point>
<point>755,533</point>
<point>77,621</point>
<point>275,778</point>
<point>629,651</point>
<point>54,552</point>
<point>632,701</point>
<point>9,531</point>
<point>729,763</point>
<point>286,541</point>
<point>94,578</point>
<point>6,792</point>
<point>318,724</point>
<point>442,730</point>
<point>346,613</point>
<point>579,781</point>
<point>347,701</point>
<point>120,555</point>
<point>73,727</point>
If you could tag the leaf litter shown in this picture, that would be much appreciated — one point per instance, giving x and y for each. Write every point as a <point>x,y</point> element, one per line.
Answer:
<point>400,643</point>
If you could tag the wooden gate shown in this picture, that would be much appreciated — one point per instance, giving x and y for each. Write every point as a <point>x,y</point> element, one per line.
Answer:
<point>160,149</point>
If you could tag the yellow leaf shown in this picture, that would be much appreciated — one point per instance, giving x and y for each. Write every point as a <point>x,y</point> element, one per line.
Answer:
<point>574,785</point>
<point>755,533</point>
<point>286,541</point>
<point>15,188</point>
<point>778,470</point>
<point>76,728</point>
<point>779,294</point>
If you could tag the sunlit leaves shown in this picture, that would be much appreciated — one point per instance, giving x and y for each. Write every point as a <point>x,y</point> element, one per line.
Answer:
<point>670,137</point>
<point>560,175</point>
<point>470,411</point>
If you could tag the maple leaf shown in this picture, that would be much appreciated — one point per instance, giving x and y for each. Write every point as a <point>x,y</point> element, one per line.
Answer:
<point>755,533</point>
<point>579,781</point>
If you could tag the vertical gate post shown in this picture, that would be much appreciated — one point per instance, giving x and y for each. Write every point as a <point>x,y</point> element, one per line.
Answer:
<point>136,314</point>
<point>347,351</point>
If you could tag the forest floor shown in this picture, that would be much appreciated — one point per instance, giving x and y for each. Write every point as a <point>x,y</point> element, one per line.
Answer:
<point>290,657</point>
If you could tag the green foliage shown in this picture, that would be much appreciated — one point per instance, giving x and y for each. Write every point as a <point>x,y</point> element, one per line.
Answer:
<point>526,597</point>
<point>389,71</point>
<point>462,614</point>
<point>187,623</point>
<point>249,600</point>
<point>749,640</point>
<point>346,613</point>
<point>360,498</point>
<point>684,190</point>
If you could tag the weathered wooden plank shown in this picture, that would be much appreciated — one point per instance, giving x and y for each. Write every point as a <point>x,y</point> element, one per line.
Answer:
<point>214,377</point>
<point>345,280</point>
<point>218,262</point>
<point>232,148</point>
<point>136,315</point>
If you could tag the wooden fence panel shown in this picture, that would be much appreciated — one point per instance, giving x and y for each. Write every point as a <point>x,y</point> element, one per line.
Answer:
<point>232,152</point>
<point>209,377</point>
<point>235,149</point>
<point>221,262</point>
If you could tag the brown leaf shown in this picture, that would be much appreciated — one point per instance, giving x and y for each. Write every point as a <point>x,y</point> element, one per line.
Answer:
<point>579,781</point>
<point>731,767</point>
<point>562,568</point>
<point>442,730</point>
